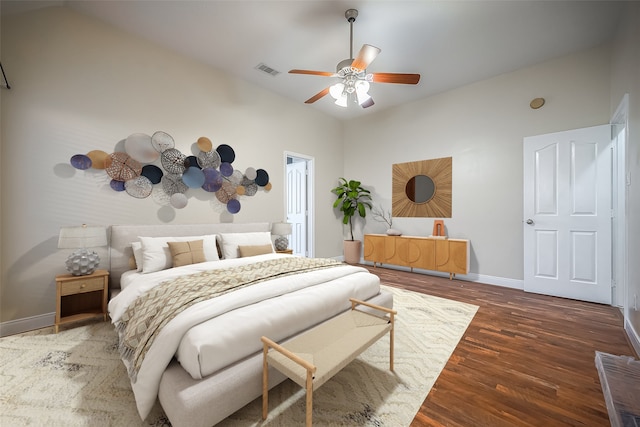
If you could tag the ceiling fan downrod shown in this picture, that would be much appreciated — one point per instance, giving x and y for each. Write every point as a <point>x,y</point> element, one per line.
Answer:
<point>351,15</point>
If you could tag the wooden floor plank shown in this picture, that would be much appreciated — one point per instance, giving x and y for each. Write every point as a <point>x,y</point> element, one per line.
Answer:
<point>525,359</point>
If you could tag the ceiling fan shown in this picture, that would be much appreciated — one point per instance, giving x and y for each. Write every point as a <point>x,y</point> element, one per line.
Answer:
<point>353,74</point>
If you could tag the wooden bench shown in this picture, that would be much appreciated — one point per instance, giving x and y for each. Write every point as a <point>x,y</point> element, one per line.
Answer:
<point>312,358</point>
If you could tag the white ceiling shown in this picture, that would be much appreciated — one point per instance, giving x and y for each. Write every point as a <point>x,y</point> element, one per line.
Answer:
<point>450,43</point>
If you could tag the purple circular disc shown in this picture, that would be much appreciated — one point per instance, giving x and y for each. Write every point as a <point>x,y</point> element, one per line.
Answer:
<point>81,161</point>
<point>117,185</point>
<point>233,206</point>
<point>226,169</point>
<point>212,180</point>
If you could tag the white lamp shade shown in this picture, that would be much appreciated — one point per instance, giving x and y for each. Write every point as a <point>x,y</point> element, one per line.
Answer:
<point>281,229</point>
<point>336,90</point>
<point>84,236</point>
<point>342,101</point>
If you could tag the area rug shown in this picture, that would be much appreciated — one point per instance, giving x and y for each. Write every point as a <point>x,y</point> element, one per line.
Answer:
<point>75,378</point>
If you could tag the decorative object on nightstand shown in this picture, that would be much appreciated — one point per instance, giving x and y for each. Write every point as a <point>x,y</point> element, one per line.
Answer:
<point>81,297</point>
<point>82,261</point>
<point>282,230</point>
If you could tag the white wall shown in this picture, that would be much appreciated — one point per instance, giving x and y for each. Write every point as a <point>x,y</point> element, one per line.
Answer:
<point>482,127</point>
<point>80,85</point>
<point>626,79</point>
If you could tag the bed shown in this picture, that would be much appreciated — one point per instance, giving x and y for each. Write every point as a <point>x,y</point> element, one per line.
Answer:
<point>205,363</point>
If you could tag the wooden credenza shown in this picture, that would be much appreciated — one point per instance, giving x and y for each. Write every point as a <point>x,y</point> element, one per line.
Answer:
<point>447,255</point>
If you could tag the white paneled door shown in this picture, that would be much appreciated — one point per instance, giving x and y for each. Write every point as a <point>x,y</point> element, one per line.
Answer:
<point>567,214</point>
<point>297,205</point>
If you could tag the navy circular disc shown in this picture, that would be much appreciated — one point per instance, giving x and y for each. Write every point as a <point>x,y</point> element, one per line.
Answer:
<point>191,161</point>
<point>117,185</point>
<point>226,153</point>
<point>81,161</point>
<point>262,177</point>
<point>153,173</point>
<point>233,206</point>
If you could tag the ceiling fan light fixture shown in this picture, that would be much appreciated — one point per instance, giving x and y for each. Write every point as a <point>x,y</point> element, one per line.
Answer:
<point>336,91</point>
<point>342,100</point>
<point>362,89</point>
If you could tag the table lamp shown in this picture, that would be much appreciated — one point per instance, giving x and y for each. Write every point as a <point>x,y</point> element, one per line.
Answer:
<point>82,261</point>
<point>282,230</point>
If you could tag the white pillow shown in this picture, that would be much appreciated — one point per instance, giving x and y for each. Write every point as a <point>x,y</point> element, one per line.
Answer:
<point>156,255</point>
<point>231,241</point>
<point>137,254</point>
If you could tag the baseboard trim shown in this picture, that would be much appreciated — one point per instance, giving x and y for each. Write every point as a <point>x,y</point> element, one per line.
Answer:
<point>471,277</point>
<point>26,324</point>
<point>632,334</point>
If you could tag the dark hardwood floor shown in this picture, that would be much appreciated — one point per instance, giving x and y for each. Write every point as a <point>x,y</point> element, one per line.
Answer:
<point>525,359</point>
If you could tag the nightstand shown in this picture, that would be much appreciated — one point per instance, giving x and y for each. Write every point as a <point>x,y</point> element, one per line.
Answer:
<point>81,297</point>
<point>286,251</point>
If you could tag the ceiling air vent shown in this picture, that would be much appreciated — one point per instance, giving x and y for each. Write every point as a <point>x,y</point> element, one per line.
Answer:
<point>266,69</point>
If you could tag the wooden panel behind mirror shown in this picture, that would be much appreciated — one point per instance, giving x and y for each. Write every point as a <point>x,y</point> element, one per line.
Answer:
<point>438,206</point>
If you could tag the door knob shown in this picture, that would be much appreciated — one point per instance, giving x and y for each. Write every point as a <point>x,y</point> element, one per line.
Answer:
<point>530,221</point>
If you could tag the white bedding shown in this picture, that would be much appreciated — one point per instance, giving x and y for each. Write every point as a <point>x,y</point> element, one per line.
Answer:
<point>203,335</point>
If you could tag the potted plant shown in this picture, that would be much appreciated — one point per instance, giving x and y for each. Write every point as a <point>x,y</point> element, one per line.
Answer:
<point>351,199</point>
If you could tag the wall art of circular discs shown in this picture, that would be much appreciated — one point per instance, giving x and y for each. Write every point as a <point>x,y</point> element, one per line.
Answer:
<point>204,144</point>
<point>212,180</point>
<point>116,185</point>
<point>193,177</point>
<point>153,172</point>
<point>226,153</point>
<point>172,183</point>
<point>173,160</point>
<point>139,147</point>
<point>81,161</point>
<point>139,187</point>
<point>162,141</point>
<point>98,158</point>
<point>208,159</point>
<point>233,206</point>
<point>122,167</point>
<point>178,200</point>
<point>226,193</point>
<point>150,160</point>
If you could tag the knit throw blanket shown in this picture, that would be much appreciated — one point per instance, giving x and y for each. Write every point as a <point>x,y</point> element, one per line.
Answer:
<point>144,319</point>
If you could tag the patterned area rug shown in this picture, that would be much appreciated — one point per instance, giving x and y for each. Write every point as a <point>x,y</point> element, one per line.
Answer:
<point>75,378</point>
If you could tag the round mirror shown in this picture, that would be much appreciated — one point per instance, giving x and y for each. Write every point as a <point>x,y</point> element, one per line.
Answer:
<point>420,189</point>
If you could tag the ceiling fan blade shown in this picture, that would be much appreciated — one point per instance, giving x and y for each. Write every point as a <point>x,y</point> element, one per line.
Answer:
<point>368,103</point>
<point>313,73</point>
<point>407,79</point>
<point>317,96</point>
<point>367,54</point>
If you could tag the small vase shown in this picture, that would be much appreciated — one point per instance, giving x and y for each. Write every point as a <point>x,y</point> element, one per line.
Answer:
<point>393,232</point>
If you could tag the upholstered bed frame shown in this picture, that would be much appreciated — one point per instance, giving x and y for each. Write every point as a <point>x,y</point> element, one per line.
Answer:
<point>205,402</point>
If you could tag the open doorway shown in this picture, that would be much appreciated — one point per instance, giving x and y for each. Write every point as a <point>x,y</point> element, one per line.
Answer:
<point>620,188</point>
<point>299,202</point>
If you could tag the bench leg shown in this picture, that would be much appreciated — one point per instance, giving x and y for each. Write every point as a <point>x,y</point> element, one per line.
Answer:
<point>265,382</point>
<point>391,340</point>
<point>309,398</point>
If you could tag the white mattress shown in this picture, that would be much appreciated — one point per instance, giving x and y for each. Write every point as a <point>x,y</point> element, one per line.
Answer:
<point>300,302</point>
<point>214,344</point>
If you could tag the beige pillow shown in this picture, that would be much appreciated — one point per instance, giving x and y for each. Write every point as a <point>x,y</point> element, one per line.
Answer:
<point>254,250</point>
<point>185,253</point>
